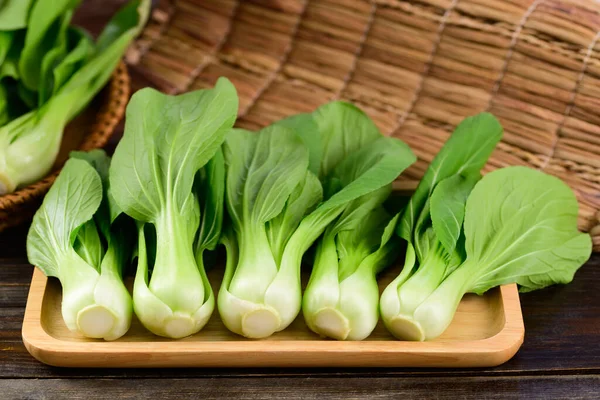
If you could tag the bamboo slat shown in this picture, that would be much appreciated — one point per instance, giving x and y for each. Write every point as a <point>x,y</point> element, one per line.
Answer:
<point>416,67</point>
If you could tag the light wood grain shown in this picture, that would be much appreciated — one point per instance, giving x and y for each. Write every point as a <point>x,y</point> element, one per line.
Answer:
<point>487,330</point>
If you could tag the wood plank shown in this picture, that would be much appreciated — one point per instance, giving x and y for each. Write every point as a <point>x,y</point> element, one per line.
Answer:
<point>16,362</point>
<point>572,387</point>
<point>562,324</point>
<point>12,296</point>
<point>15,272</point>
<point>12,243</point>
<point>10,322</point>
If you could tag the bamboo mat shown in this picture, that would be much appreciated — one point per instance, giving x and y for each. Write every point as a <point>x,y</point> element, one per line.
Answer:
<point>416,67</point>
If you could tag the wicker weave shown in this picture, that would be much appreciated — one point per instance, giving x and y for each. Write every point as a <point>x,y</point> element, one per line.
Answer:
<point>90,130</point>
<point>417,67</point>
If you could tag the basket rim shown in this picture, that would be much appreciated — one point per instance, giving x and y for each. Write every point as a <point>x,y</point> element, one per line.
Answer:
<point>107,118</point>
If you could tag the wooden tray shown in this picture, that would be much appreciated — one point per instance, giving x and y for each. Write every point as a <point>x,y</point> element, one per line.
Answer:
<point>487,331</point>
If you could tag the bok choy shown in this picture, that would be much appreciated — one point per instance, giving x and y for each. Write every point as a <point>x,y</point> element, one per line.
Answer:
<point>466,235</point>
<point>53,71</point>
<point>268,191</point>
<point>273,195</point>
<point>74,238</point>
<point>342,297</point>
<point>156,178</point>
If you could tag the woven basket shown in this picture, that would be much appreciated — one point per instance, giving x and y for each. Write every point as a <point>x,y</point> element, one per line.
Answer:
<point>417,67</point>
<point>88,131</point>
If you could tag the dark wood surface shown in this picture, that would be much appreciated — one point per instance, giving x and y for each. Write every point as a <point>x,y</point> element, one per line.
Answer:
<point>559,359</point>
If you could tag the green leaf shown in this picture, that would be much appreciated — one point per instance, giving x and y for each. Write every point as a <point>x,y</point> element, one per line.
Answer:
<point>14,14</point>
<point>363,172</point>
<point>52,59</point>
<point>46,20</point>
<point>344,129</point>
<point>6,38</point>
<point>564,259</point>
<point>356,211</point>
<point>305,126</point>
<point>210,190</point>
<point>302,201</point>
<point>521,226</point>
<point>88,244</point>
<point>119,235</point>
<point>357,243</point>
<point>262,171</point>
<point>73,199</point>
<point>9,67</point>
<point>121,22</point>
<point>389,230</point>
<point>168,139</point>
<point>4,115</point>
<point>109,210</point>
<point>87,81</point>
<point>98,159</point>
<point>389,248</point>
<point>370,168</point>
<point>448,209</point>
<point>465,153</point>
<point>79,48</point>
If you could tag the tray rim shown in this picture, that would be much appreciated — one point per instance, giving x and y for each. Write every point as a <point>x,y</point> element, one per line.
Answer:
<point>487,352</point>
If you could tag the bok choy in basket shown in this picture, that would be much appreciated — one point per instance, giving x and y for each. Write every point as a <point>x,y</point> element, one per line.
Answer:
<point>49,73</point>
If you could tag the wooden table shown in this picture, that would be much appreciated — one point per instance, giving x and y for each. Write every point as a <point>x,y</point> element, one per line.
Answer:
<point>560,358</point>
